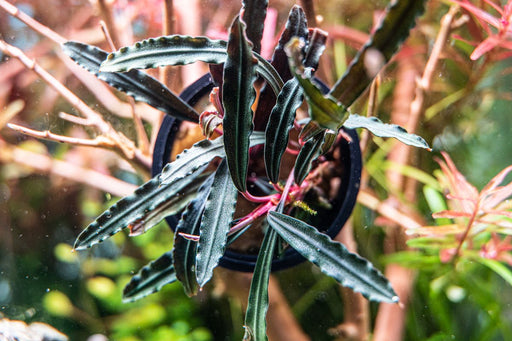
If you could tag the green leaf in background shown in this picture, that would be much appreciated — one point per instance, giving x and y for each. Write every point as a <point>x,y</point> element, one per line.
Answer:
<point>378,128</point>
<point>498,267</point>
<point>143,209</point>
<point>254,13</point>
<point>199,155</point>
<point>255,322</point>
<point>184,251</point>
<point>309,152</point>
<point>333,258</point>
<point>279,125</point>
<point>238,95</point>
<point>137,84</point>
<point>151,278</point>
<point>215,224</point>
<point>387,38</point>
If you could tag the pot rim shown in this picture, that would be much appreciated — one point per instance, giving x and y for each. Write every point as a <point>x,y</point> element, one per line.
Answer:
<point>347,193</point>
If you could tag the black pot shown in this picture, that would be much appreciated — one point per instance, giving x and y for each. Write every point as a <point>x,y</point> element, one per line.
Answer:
<point>343,205</point>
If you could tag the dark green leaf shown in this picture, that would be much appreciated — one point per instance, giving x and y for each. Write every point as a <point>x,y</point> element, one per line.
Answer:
<point>143,209</point>
<point>168,50</point>
<point>254,13</point>
<point>151,278</point>
<point>400,18</point>
<point>184,251</point>
<point>309,130</point>
<point>376,127</point>
<point>215,224</point>
<point>199,155</point>
<point>323,109</point>
<point>255,323</point>
<point>333,258</point>
<point>296,26</point>
<point>238,95</point>
<point>137,84</point>
<point>315,48</point>
<point>309,152</point>
<point>279,125</point>
<point>180,50</point>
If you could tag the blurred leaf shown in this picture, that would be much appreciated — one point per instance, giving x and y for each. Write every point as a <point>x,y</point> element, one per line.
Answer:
<point>255,322</point>
<point>400,18</point>
<point>64,253</point>
<point>101,287</point>
<point>309,152</point>
<point>151,278</point>
<point>254,13</point>
<point>215,224</point>
<point>333,258</point>
<point>279,125</point>
<point>58,304</point>
<point>378,128</point>
<point>498,267</point>
<point>238,95</point>
<point>11,110</point>
<point>185,251</point>
<point>137,84</point>
<point>436,203</point>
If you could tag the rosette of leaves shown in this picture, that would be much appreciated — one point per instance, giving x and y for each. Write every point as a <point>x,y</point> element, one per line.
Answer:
<point>206,200</point>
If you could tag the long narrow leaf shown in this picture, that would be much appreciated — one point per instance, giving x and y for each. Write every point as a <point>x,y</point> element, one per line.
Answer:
<point>215,224</point>
<point>279,125</point>
<point>151,278</point>
<point>184,251</point>
<point>180,50</point>
<point>137,84</point>
<point>199,155</point>
<point>238,95</point>
<point>309,152</point>
<point>400,18</point>
<point>333,258</point>
<point>141,210</point>
<point>255,323</point>
<point>254,13</point>
<point>378,128</point>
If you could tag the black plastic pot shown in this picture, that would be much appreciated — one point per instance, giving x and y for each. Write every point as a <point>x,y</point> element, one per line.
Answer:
<point>343,205</point>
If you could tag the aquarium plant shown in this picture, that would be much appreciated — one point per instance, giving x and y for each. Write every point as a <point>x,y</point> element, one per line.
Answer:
<point>256,136</point>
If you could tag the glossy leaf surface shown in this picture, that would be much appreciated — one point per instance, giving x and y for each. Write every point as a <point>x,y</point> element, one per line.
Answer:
<point>184,251</point>
<point>333,258</point>
<point>378,128</point>
<point>254,13</point>
<point>309,152</point>
<point>180,50</point>
<point>279,125</point>
<point>137,84</point>
<point>199,155</point>
<point>151,278</point>
<point>143,209</point>
<point>238,95</point>
<point>215,224</point>
<point>255,322</point>
<point>387,38</point>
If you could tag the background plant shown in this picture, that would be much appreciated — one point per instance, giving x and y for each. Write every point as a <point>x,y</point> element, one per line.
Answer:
<point>465,109</point>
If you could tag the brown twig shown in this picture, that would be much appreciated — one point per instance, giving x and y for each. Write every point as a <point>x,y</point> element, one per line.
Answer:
<point>108,17</point>
<point>390,320</point>
<point>122,144</point>
<point>36,26</point>
<point>46,164</point>
<point>309,9</point>
<point>99,141</point>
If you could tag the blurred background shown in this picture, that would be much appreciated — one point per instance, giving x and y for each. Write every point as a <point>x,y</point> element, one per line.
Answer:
<point>50,191</point>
